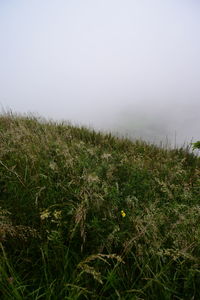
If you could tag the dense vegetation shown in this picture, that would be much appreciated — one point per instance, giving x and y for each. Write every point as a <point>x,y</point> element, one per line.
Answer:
<point>86,215</point>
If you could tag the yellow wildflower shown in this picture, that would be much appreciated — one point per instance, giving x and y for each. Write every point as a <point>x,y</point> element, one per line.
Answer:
<point>45,214</point>
<point>123,213</point>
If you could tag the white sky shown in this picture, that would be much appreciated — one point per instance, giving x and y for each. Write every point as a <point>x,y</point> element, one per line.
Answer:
<point>126,65</point>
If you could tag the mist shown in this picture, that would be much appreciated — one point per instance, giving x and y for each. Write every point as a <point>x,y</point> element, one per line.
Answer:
<point>131,66</point>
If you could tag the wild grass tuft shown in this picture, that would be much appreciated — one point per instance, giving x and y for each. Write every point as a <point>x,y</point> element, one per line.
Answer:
<point>87,215</point>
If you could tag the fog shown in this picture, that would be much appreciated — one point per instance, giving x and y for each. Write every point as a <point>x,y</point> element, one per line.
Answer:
<point>130,66</point>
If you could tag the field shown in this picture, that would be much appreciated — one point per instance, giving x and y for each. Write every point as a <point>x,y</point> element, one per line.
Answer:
<point>86,215</point>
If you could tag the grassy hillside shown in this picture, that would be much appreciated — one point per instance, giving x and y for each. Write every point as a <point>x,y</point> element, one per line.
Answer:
<point>85,215</point>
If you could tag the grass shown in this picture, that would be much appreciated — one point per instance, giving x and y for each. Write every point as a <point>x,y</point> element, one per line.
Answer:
<point>86,215</point>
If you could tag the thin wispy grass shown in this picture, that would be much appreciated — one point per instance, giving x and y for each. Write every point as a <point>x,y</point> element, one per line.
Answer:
<point>87,215</point>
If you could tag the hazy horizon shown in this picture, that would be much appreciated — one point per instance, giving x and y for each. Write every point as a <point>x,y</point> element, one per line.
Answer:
<point>132,67</point>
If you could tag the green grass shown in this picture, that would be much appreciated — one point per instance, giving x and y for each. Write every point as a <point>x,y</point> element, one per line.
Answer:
<point>62,232</point>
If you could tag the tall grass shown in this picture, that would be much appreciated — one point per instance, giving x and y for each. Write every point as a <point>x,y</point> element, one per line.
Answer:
<point>86,215</point>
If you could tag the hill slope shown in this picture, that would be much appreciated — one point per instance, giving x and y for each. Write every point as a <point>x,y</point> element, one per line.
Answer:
<point>86,215</point>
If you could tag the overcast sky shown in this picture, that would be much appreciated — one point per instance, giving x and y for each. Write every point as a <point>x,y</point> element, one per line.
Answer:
<point>132,66</point>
